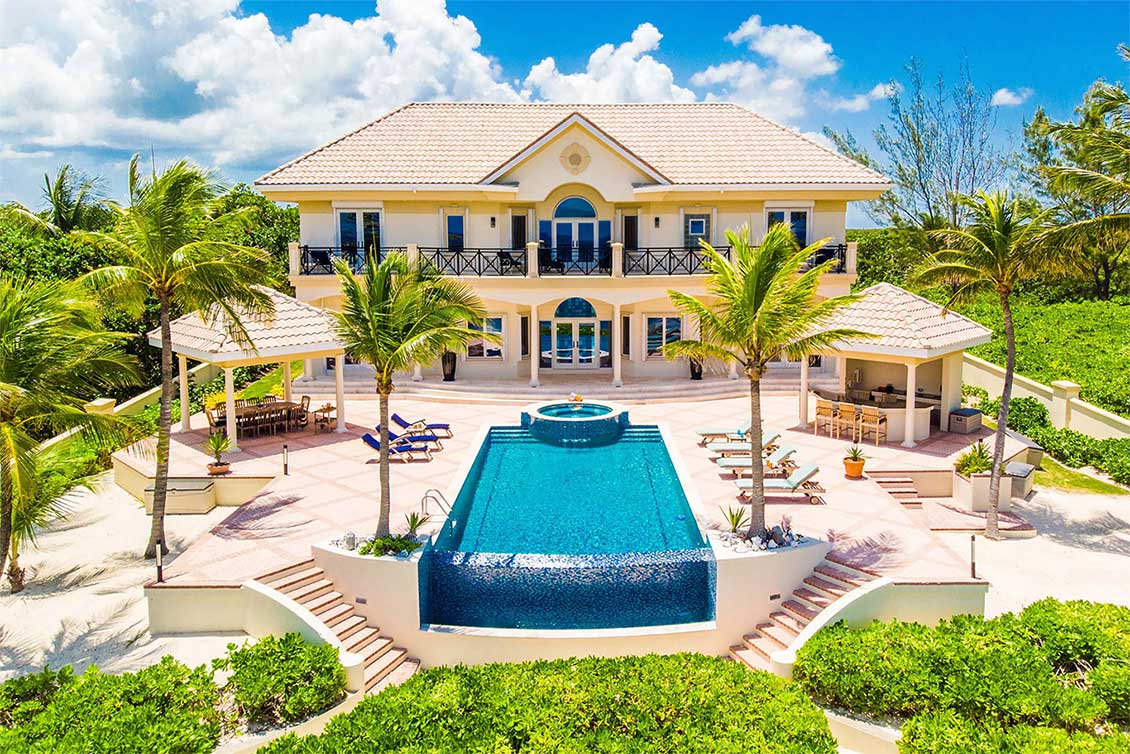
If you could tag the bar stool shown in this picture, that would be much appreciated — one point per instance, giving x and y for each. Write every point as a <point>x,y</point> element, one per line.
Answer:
<point>872,421</point>
<point>847,417</point>
<point>825,415</point>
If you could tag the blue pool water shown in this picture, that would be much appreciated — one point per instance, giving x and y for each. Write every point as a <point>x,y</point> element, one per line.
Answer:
<point>550,536</point>
<point>575,410</point>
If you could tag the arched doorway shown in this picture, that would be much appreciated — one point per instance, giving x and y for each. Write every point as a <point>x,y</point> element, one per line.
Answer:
<point>575,338</point>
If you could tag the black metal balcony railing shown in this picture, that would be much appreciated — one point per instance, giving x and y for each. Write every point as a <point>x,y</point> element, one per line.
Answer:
<point>836,251</point>
<point>319,260</point>
<point>577,259</point>
<point>477,262</point>
<point>668,260</point>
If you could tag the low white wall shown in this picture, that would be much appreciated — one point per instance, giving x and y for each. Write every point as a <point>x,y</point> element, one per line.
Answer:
<point>1067,412</point>
<point>390,589</point>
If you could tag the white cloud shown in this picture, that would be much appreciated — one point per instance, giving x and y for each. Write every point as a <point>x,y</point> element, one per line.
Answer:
<point>624,73</point>
<point>861,102</point>
<point>1005,97</point>
<point>800,51</point>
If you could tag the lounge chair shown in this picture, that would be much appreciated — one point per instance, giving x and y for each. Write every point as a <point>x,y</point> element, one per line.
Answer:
<point>402,452</point>
<point>737,448</point>
<point>707,434</point>
<point>411,438</point>
<point>442,430</point>
<point>800,481</point>
<point>777,461</point>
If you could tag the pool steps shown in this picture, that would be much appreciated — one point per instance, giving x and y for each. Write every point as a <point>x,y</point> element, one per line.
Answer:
<point>306,584</point>
<point>828,582</point>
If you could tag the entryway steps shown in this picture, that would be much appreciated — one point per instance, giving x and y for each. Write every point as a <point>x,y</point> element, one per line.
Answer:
<point>900,488</point>
<point>385,664</point>
<point>827,583</point>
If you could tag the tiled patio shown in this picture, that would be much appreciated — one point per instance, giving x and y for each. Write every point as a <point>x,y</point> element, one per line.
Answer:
<point>332,482</point>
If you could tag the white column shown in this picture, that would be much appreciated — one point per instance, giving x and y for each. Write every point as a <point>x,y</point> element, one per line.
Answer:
<point>802,403</point>
<point>532,261</point>
<point>535,346</point>
<point>951,388</point>
<point>417,372</point>
<point>288,389</point>
<point>617,344</point>
<point>733,370</point>
<point>229,406</point>
<point>617,259</point>
<point>908,419</point>
<point>307,370</point>
<point>185,411</point>
<point>339,383</point>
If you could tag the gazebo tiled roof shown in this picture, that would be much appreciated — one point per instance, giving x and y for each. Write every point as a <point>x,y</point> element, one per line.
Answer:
<point>296,329</point>
<point>906,324</point>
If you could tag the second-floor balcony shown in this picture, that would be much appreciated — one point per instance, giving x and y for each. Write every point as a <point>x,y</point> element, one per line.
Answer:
<point>606,260</point>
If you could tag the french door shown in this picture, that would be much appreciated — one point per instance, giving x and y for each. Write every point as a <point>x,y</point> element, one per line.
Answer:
<point>575,344</point>
<point>576,236</point>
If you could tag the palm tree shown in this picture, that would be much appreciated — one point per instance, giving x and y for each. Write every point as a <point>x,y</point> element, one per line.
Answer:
<point>397,314</point>
<point>163,241</point>
<point>760,307</point>
<point>1001,245</point>
<point>54,356</point>
<point>73,201</point>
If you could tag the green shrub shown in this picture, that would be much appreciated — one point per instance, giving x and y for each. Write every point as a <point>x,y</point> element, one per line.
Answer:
<point>949,733</point>
<point>24,697</point>
<point>1026,414</point>
<point>1079,631</point>
<point>1076,449</point>
<point>393,544</point>
<point>283,680</point>
<point>166,707</point>
<point>975,460</point>
<point>677,703</point>
<point>973,394</point>
<point>1110,682</point>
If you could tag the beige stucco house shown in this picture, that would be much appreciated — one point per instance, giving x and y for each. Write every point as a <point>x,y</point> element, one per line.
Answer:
<point>570,221</point>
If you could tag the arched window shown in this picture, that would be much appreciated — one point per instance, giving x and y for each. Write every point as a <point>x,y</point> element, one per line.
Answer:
<point>574,207</point>
<point>575,307</point>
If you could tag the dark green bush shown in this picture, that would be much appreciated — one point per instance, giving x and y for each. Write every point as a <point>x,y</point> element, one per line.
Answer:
<point>166,707</point>
<point>948,733</point>
<point>1076,449</point>
<point>283,680</point>
<point>1110,682</point>
<point>1026,414</point>
<point>679,703</point>
<point>24,697</point>
<point>393,544</point>
<point>1079,631</point>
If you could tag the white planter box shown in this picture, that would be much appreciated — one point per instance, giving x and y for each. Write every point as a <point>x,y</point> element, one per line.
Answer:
<point>973,491</point>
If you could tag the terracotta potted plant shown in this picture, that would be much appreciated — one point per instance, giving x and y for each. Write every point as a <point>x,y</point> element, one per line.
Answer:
<point>853,462</point>
<point>217,445</point>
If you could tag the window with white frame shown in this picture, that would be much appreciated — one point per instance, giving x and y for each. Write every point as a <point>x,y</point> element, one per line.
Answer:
<point>797,220</point>
<point>359,229</point>
<point>481,348</point>
<point>696,227</point>
<point>661,330</point>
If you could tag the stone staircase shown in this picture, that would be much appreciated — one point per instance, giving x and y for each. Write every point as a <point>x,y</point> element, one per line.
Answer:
<point>828,582</point>
<point>901,488</point>
<point>307,584</point>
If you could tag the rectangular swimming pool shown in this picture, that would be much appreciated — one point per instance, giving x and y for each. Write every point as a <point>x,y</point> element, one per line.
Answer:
<point>542,536</point>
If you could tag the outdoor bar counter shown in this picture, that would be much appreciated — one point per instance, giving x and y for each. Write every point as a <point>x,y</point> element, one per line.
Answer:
<point>896,419</point>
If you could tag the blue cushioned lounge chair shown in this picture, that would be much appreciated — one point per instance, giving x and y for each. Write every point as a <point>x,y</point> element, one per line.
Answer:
<point>401,452</point>
<point>413,438</point>
<point>442,430</point>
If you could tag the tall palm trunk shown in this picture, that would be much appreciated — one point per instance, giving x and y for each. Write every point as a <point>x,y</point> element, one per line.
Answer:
<point>992,527</point>
<point>15,572</point>
<point>757,493</point>
<point>164,427</point>
<point>6,507</point>
<point>386,489</point>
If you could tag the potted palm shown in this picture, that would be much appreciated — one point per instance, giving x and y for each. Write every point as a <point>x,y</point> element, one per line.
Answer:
<point>448,360</point>
<point>217,445</point>
<point>853,462</point>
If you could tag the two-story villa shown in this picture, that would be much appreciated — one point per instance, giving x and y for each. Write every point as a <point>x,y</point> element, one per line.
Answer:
<point>570,221</point>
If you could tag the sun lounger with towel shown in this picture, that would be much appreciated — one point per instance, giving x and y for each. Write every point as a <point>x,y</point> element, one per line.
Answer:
<point>412,438</point>
<point>402,452</point>
<point>777,461</point>
<point>423,427</point>
<point>735,448</point>
<point>707,434</point>
<point>800,481</point>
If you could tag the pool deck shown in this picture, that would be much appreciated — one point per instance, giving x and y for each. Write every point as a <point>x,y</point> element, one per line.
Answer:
<point>332,482</point>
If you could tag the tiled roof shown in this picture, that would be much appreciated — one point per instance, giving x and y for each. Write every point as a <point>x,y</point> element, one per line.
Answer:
<point>463,142</point>
<point>904,321</point>
<point>294,327</point>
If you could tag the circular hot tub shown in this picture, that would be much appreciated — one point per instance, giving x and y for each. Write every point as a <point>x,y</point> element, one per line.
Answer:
<point>575,422</point>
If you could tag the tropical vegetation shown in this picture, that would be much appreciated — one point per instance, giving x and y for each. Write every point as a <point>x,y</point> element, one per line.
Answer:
<point>1056,665</point>
<point>998,247</point>
<point>761,306</point>
<point>165,248</point>
<point>676,703</point>
<point>396,314</point>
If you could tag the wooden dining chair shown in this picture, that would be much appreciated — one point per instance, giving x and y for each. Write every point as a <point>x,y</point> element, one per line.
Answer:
<point>302,413</point>
<point>847,417</point>
<point>872,421</point>
<point>825,415</point>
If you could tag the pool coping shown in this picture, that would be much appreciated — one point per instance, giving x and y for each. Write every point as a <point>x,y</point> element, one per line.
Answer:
<point>570,633</point>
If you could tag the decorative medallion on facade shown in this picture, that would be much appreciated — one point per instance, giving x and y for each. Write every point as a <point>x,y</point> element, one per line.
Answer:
<point>575,158</point>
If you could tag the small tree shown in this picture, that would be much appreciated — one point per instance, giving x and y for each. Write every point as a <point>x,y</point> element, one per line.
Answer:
<point>397,314</point>
<point>760,307</point>
<point>1000,247</point>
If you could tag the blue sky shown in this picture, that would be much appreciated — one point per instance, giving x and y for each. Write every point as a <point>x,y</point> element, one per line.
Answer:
<point>245,86</point>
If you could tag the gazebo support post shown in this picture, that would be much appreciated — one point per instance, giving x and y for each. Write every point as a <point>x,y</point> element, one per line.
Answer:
<point>288,390</point>
<point>802,403</point>
<point>185,411</point>
<point>911,391</point>
<point>417,372</point>
<point>229,405</point>
<point>339,384</point>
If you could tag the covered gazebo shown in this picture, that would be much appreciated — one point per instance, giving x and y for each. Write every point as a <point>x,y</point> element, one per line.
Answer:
<point>912,365</point>
<point>295,330</point>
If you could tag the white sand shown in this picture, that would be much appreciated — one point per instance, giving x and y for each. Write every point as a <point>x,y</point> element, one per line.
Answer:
<point>1082,551</point>
<point>84,601</point>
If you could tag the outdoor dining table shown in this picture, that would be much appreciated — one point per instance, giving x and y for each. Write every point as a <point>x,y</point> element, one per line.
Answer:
<point>243,413</point>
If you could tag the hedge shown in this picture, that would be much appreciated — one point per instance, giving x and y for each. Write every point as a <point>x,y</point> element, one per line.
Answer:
<point>677,703</point>
<point>1063,666</point>
<point>282,680</point>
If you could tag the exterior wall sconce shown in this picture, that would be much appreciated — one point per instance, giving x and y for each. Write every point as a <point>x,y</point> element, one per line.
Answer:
<point>492,222</point>
<point>657,221</point>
